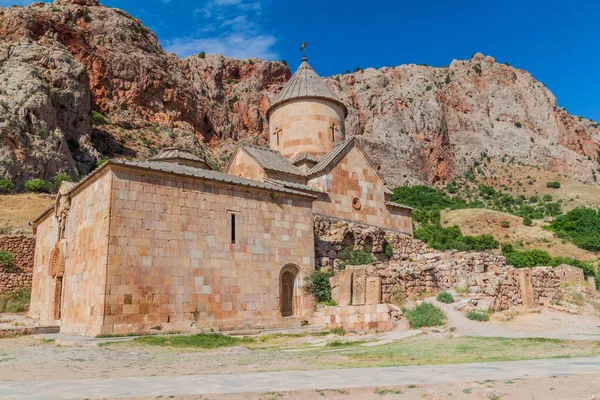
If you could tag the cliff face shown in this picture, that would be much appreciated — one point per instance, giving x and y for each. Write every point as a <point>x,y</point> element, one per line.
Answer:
<point>58,62</point>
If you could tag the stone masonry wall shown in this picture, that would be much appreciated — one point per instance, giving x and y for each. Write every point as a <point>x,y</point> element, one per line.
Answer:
<point>414,268</point>
<point>22,249</point>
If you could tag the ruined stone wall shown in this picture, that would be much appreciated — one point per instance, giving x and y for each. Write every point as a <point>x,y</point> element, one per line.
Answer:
<point>413,268</point>
<point>546,285</point>
<point>20,274</point>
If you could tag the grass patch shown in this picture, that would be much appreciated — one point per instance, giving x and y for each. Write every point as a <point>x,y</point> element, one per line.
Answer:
<point>457,350</point>
<point>480,316</point>
<point>201,340</point>
<point>425,315</point>
<point>341,343</point>
<point>15,302</point>
<point>445,297</point>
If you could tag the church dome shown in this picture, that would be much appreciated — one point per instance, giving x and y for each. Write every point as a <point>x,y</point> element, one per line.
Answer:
<point>305,83</point>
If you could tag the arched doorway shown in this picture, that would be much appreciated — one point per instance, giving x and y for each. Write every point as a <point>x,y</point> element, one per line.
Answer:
<point>289,290</point>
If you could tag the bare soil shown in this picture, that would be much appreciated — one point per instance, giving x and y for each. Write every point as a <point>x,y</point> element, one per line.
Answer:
<point>17,210</point>
<point>480,221</point>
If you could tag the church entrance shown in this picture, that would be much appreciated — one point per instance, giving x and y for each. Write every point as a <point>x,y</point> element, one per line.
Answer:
<point>288,291</point>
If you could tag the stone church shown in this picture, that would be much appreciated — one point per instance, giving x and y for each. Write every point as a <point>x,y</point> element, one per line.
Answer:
<point>169,244</point>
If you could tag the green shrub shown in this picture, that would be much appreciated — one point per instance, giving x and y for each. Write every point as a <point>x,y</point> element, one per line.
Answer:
<point>98,118</point>
<point>506,223</point>
<point>424,315</point>
<point>518,124</point>
<point>527,221</point>
<point>6,261</point>
<point>389,251</point>
<point>355,256</point>
<point>202,54</point>
<point>6,185</point>
<point>60,178</point>
<point>317,285</point>
<point>340,331</point>
<point>15,302</point>
<point>38,186</point>
<point>553,185</point>
<point>445,297</point>
<point>451,238</point>
<point>480,316</point>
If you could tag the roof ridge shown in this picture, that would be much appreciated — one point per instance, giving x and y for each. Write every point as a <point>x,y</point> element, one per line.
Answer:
<point>255,146</point>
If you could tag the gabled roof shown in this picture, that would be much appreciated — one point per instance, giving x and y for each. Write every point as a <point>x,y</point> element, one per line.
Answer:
<point>271,160</point>
<point>305,83</point>
<point>294,185</point>
<point>332,157</point>
<point>203,174</point>
<point>306,157</point>
<point>174,154</point>
<point>340,149</point>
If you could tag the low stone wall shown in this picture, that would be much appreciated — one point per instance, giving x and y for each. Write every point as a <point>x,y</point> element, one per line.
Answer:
<point>361,318</point>
<point>22,249</point>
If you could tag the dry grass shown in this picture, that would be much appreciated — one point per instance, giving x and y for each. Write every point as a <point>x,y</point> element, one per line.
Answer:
<point>481,221</point>
<point>573,193</point>
<point>18,209</point>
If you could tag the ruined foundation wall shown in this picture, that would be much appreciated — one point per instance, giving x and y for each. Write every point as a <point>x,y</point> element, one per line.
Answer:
<point>413,268</point>
<point>20,273</point>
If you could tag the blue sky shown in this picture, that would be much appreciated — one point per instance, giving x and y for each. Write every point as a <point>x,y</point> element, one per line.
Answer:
<point>558,42</point>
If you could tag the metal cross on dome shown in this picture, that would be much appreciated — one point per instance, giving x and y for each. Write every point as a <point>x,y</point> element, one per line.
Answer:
<point>303,49</point>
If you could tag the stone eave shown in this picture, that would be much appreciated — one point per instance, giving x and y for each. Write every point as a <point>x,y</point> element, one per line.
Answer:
<point>323,98</point>
<point>230,182</point>
<point>396,205</point>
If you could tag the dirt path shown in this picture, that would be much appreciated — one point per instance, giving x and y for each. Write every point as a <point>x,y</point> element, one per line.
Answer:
<point>317,380</point>
<point>584,387</point>
<point>546,323</point>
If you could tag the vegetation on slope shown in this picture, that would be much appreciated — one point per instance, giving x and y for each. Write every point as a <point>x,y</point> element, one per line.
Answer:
<point>581,226</point>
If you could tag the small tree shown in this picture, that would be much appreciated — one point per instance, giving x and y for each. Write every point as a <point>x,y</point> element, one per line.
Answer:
<point>202,54</point>
<point>553,185</point>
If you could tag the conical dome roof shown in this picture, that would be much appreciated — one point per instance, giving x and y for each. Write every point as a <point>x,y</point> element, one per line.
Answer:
<point>305,83</point>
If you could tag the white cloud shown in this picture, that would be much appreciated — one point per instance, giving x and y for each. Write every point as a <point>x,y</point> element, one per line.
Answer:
<point>8,3</point>
<point>233,29</point>
<point>233,45</point>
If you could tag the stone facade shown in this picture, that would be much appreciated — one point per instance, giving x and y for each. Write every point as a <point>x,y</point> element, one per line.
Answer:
<point>140,250</point>
<point>306,126</point>
<point>355,192</point>
<point>20,275</point>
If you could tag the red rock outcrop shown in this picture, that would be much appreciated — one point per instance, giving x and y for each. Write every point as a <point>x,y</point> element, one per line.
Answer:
<point>419,124</point>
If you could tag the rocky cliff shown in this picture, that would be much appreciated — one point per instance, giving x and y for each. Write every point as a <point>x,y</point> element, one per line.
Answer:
<point>80,82</point>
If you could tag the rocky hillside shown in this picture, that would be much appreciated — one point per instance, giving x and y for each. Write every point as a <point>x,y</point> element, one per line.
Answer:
<point>80,82</point>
